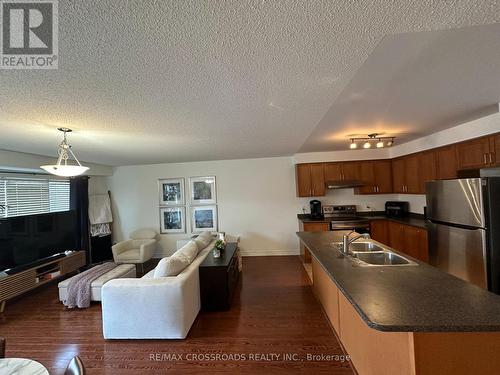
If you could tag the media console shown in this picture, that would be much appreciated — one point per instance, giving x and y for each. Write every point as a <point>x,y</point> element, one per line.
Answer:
<point>31,278</point>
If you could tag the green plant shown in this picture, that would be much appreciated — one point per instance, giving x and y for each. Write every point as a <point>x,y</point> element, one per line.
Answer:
<point>219,244</point>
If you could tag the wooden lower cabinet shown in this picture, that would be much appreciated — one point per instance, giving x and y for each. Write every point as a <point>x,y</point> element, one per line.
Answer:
<point>374,352</point>
<point>409,240</point>
<point>379,231</point>
<point>321,226</point>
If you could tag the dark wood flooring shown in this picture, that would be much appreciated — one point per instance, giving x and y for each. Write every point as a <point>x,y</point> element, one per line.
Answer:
<point>273,312</point>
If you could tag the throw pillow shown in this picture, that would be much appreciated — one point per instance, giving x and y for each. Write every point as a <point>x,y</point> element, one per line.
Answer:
<point>203,240</point>
<point>189,250</point>
<point>171,266</point>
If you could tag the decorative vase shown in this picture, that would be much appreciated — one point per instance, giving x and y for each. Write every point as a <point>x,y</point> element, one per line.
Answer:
<point>216,253</point>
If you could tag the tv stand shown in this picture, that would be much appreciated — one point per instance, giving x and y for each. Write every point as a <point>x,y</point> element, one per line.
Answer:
<point>31,278</point>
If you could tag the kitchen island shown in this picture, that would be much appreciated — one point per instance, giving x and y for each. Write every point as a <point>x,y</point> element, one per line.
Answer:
<point>405,319</point>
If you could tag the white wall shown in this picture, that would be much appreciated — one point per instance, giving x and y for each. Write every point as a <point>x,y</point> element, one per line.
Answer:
<point>472,129</point>
<point>256,199</point>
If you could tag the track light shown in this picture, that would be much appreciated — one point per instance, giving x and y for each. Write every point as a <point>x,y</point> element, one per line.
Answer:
<point>370,140</point>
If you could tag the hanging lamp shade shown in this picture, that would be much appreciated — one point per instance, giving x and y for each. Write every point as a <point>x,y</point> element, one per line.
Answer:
<point>62,168</point>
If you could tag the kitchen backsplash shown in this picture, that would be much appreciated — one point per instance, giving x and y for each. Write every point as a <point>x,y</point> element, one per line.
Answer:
<point>364,202</point>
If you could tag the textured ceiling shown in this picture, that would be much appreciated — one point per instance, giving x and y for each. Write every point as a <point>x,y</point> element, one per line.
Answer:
<point>166,81</point>
<point>416,84</point>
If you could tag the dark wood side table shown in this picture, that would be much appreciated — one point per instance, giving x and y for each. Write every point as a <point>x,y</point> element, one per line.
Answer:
<point>219,278</point>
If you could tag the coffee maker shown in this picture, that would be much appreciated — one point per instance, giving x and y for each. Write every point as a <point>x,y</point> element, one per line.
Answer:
<point>316,209</point>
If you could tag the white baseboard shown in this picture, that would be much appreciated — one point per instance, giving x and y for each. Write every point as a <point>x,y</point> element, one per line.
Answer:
<point>261,253</point>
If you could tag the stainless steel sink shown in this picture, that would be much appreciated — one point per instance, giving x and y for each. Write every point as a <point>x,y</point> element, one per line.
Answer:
<point>359,246</point>
<point>382,258</point>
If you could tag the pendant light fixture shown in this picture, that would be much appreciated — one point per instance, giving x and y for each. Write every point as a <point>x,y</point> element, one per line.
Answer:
<point>371,140</point>
<point>62,168</point>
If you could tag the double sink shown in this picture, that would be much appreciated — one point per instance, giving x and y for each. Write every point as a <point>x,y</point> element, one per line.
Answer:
<point>371,254</point>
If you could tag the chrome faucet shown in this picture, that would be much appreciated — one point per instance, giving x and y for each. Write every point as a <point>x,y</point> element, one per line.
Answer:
<point>346,241</point>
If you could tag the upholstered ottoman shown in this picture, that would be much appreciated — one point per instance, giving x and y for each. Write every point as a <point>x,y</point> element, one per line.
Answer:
<point>121,271</point>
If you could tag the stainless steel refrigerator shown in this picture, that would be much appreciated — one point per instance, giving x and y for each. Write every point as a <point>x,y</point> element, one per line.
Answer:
<point>464,229</point>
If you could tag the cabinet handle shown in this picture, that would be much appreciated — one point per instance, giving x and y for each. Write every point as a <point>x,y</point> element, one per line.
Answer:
<point>378,189</point>
<point>485,158</point>
<point>491,157</point>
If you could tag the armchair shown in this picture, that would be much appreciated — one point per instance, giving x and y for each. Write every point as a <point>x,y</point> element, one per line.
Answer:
<point>138,250</point>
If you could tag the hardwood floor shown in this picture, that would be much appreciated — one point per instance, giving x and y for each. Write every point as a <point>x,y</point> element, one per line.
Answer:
<point>273,312</point>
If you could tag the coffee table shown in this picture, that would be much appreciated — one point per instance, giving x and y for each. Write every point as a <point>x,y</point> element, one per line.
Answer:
<point>22,366</point>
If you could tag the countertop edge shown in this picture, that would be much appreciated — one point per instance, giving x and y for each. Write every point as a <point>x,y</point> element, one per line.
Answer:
<point>398,328</point>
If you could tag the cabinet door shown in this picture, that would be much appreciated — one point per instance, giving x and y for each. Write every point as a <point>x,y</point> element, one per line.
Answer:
<point>427,169</point>
<point>412,174</point>
<point>303,180</point>
<point>379,231</point>
<point>495,150</point>
<point>366,174</point>
<point>396,236</point>
<point>316,227</point>
<point>382,171</point>
<point>473,154</point>
<point>317,180</point>
<point>446,162</point>
<point>333,171</point>
<point>350,170</point>
<point>398,175</point>
<point>415,243</point>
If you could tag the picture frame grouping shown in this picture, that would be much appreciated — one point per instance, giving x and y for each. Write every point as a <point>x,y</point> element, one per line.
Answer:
<point>201,204</point>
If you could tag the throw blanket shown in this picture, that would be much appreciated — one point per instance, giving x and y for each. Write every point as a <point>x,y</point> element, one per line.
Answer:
<point>79,286</point>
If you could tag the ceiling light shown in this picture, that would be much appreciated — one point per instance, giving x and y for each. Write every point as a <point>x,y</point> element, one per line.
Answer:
<point>370,139</point>
<point>61,168</point>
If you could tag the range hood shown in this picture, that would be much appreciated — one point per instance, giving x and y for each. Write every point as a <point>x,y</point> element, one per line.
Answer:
<point>344,184</point>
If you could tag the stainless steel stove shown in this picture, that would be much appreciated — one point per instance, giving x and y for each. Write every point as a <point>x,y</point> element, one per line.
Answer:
<point>344,217</point>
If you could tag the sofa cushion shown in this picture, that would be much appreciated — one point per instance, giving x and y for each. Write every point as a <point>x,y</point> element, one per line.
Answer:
<point>127,255</point>
<point>189,250</point>
<point>171,266</point>
<point>203,240</point>
<point>143,234</point>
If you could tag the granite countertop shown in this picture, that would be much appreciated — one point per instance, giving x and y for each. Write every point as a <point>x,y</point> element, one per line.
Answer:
<point>415,220</point>
<point>406,298</point>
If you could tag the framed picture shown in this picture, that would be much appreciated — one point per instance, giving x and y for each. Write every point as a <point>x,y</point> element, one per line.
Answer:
<point>172,220</point>
<point>204,218</point>
<point>171,191</point>
<point>202,190</point>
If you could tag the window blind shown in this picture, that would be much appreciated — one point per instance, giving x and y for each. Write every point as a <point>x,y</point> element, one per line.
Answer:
<point>29,196</point>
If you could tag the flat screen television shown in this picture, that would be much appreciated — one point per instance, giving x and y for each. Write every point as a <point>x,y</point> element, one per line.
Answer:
<point>26,241</point>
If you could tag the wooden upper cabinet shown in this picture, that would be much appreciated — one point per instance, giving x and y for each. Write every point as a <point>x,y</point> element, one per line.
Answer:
<point>382,171</point>
<point>398,175</point>
<point>427,168</point>
<point>303,180</point>
<point>367,176</point>
<point>412,174</point>
<point>446,162</point>
<point>317,180</point>
<point>333,171</point>
<point>473,154</point>
<point>377,175</point>
<point>350,170</point>
<point>495,150</point>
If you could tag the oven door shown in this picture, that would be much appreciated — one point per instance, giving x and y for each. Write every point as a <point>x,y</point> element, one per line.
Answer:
<point>359,227</point>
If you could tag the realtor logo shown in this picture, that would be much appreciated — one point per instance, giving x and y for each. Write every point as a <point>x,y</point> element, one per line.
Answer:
<point>28,38</point>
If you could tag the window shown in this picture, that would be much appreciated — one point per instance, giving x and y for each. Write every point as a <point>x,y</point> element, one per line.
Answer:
<point>29,196</point>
